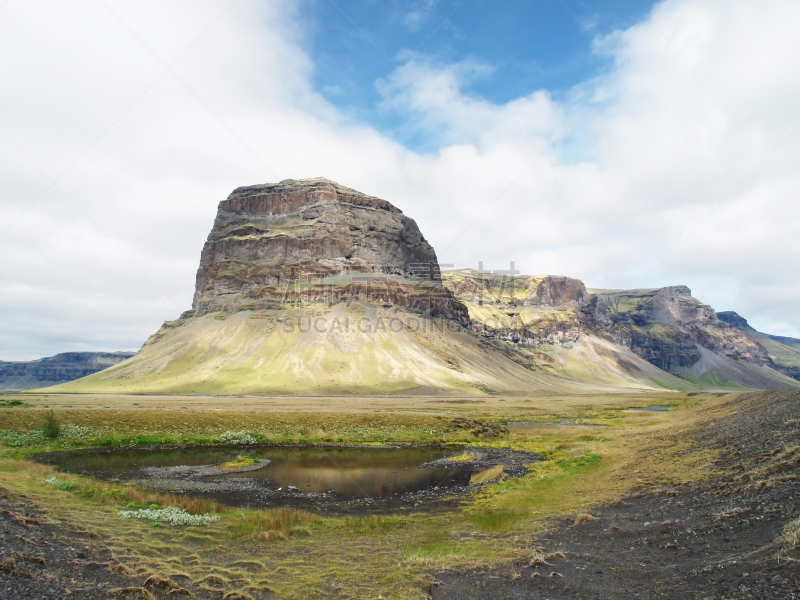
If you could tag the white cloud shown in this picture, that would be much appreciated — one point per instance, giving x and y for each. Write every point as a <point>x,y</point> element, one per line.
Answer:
<point>420,14</point>
<point>642,187</point>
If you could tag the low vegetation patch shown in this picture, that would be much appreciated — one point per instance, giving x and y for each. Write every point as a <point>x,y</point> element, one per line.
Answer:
<point>791,535</point>
<point>237,438</point>
<point>64,486</point>
<point>18,440</point>
<point>497,520</point>
<point>374,524</point>
<point>279,523</point>
<point>170,515</point>
<point>584,518</point>
<point>241,461</point>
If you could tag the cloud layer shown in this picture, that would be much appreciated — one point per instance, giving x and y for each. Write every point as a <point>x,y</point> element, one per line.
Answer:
<point>677,165</point>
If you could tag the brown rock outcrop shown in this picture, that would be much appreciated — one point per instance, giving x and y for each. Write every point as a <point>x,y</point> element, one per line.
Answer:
<point>311,241</point>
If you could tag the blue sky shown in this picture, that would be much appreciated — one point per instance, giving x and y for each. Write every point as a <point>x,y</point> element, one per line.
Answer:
<point>517,46</point>
<point>667,157</point>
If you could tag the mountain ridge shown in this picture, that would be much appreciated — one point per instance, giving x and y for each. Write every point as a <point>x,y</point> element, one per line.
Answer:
<point>383,317</point>
<point>56,369</point>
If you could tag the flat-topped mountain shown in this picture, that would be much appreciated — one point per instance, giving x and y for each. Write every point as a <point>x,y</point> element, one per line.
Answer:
<point>267,238</point>
<point>52,370</point>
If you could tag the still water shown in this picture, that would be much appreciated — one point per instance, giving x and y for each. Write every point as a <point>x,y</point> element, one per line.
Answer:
<point>343,472</point>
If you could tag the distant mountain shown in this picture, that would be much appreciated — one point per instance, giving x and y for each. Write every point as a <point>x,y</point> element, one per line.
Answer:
<point>309,287</point>
<point>555,324</point>
<point>784,352</point>
<point>67,366</point>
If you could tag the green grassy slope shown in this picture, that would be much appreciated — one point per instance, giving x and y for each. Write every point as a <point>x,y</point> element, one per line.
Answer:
<point>389,351</point>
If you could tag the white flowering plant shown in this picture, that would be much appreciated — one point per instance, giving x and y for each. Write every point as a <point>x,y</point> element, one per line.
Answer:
<point>74,432</point>
<point>236,438</point>
<point>170,515</point>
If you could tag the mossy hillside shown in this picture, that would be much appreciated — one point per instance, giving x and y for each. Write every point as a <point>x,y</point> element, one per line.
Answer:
<point>626,302</point>
<point>596,362</point>
<point>664,334</point>
<point>589,359</point>
<point>244,353</point>
<point>538,320</point>
<point>780,353</point>
<point>488,288</point>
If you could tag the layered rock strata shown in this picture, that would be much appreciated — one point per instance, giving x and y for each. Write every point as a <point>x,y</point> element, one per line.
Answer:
<point>53,370</point>
<point>667,327</point>
<point>312,241</point>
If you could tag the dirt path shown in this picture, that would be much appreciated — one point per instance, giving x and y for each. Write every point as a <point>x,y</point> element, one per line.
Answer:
<point>710,540</point>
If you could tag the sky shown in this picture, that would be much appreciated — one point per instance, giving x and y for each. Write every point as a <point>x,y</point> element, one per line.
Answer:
<point>628,144</point>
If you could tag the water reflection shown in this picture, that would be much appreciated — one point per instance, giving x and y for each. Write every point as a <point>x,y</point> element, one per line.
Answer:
<point>347,472</point>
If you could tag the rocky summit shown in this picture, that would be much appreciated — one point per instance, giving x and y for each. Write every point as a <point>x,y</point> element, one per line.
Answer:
<point>309,287</point>
<point>313,240</point>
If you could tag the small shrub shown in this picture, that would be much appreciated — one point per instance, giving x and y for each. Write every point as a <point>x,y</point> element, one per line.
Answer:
<point>170,515</point>
<point>791,535</point>
<point>242,461</point>
<point>584,518</point>
<point>268,525</point>
<point>51,427</point>
<point>64,486</point>
<point>236,438</point>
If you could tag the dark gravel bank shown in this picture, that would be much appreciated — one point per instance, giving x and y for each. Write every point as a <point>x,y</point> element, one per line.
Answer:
<point>718,539</point>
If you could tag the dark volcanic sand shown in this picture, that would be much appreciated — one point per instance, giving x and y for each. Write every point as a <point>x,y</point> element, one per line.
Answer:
<point>675,543</point>
<point>39,559</point>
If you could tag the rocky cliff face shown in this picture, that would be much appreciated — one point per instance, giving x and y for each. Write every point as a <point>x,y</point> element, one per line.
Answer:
<point>784,352</point>
<point>528,309</point>
<point>67,366</point>
<point>667,326</point>
<point>313,241</point>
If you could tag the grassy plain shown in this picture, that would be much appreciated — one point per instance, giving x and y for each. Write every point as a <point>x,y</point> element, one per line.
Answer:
<point>596,449</point>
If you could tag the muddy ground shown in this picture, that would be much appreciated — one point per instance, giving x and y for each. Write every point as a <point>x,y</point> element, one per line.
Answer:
<point>718,539</point>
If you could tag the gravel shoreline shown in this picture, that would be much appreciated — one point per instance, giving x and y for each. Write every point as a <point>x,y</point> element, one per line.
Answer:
<point>716,539</point>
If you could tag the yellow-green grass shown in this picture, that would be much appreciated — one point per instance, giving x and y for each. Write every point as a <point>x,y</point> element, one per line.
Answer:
<point>241,461</point>
<point>399,353</point>
<point>780,353</point>
<point>299,555</point>
<point>268,353</point>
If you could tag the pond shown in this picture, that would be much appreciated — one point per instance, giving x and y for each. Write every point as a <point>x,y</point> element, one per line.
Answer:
<point>284,475</point>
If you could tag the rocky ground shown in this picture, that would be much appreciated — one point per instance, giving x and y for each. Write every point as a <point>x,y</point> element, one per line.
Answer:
<point>475,458</point>
<point>717,539</point>
<point>39,559</point>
